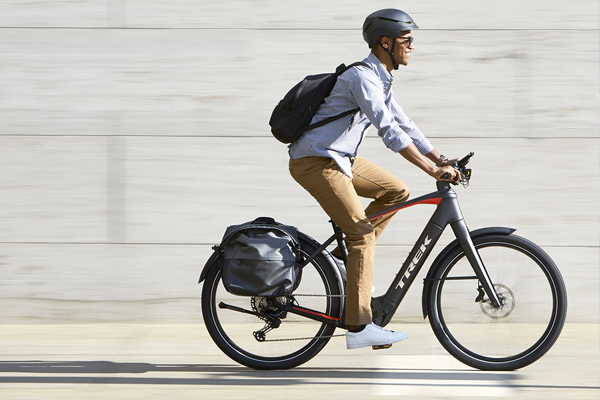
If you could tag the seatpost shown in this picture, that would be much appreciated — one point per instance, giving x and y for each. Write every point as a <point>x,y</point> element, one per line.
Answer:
<point>339,237</point>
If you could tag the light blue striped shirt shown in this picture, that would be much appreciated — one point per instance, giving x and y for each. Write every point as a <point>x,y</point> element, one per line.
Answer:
<point>369,89</point>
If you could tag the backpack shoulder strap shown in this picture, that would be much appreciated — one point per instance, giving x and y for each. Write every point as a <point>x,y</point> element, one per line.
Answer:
<point>343,68</point>
<point>328,120</point>
<point>339,70</point>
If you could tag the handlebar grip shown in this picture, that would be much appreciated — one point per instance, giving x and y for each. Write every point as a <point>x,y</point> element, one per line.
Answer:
<point>445,176</point>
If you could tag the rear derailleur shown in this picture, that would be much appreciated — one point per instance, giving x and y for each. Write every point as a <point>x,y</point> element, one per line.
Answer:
<point>268,310</point>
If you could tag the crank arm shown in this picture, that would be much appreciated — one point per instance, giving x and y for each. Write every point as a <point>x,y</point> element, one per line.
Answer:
<point>238,309</point>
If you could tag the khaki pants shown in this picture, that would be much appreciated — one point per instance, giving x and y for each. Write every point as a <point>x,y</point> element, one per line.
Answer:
<point>338,195</point>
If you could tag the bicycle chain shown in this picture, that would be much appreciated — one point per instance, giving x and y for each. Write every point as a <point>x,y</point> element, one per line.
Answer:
<point>303,338</point>
<point>309,337</point>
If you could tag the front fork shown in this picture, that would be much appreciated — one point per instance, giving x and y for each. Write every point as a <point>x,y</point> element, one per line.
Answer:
<point>464,239</point>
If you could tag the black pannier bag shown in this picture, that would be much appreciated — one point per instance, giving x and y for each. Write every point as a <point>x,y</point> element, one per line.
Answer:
<point>260,258</point>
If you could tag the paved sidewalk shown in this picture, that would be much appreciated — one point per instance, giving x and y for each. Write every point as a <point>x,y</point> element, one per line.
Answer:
<point>97,361</point>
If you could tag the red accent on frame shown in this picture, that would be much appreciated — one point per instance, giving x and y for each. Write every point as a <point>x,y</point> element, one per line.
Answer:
<point>316,313</point>
<point>435,201</point>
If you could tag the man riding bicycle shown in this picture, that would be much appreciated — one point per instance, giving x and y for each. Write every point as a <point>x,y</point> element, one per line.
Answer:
<point>325,162</point>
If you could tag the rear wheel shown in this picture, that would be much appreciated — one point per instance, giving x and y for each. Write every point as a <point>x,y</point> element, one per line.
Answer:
<point>270,338</point>
<point>523,329</point>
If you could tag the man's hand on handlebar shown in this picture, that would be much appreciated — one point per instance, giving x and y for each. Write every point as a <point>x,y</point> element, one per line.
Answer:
<point>447,173</point>
<point>449,170</point>
<point>458,173</point>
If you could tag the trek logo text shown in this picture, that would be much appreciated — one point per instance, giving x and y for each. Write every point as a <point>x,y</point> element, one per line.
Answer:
<point>414,262</point>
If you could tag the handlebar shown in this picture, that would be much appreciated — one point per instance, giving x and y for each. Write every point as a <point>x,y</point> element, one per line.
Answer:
<point>465,173</point>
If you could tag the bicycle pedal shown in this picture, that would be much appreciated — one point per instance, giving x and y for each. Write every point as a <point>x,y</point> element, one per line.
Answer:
<point>382,346</point>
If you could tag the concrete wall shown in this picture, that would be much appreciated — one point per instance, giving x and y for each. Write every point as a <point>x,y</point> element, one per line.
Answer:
<point>132,133</point>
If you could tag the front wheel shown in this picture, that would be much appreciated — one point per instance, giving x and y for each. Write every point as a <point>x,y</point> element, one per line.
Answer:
<point>531,316</point>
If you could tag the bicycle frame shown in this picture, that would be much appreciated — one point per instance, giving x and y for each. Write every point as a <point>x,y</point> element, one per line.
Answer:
<point>447,212</point>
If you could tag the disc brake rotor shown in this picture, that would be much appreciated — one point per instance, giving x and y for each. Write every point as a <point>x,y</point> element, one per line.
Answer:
<point>507,300</point>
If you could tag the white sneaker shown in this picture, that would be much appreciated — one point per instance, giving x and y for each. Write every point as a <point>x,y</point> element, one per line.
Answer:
<point>373,335</point>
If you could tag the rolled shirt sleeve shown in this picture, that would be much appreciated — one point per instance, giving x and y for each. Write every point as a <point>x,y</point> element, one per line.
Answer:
<point>407,125</point>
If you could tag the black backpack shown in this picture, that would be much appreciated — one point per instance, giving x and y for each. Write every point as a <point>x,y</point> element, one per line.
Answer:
<point>292,116</point>
<point>260,258</point>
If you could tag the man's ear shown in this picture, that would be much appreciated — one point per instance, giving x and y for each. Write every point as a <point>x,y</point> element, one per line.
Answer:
<point>386,41</point>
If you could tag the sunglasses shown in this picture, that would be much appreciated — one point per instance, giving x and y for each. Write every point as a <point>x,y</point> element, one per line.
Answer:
<point>408,42</point>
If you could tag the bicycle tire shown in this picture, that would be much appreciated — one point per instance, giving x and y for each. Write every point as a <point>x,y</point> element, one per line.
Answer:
<point>513,336</point>
<point>232,331</point>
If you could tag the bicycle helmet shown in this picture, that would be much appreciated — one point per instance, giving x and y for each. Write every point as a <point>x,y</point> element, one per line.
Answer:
<point>387,22</point>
